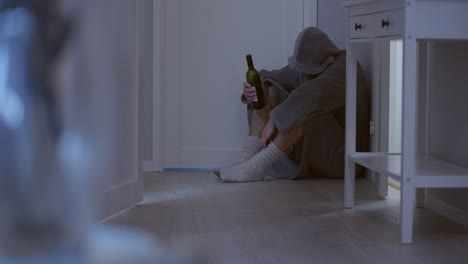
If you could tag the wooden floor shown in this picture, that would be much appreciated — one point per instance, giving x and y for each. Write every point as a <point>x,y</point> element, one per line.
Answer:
<point>293,222</point>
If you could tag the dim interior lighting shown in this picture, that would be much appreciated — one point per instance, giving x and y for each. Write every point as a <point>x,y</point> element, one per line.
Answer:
<point>12,110</point>
<point>15,22</point>
<point>11,106</point>
<point>74,152</point>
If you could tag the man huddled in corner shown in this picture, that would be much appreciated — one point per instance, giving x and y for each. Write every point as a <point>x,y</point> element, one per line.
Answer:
<point>301,131</point>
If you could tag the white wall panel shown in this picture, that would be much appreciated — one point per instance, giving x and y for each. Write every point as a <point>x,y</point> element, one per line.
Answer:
<point>206,43</point>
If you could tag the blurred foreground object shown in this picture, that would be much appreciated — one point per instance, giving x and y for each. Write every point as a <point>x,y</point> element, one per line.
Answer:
<point>34,195</point>
<point>44,216</point>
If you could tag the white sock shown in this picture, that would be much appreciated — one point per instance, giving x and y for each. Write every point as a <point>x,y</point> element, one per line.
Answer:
<point>250,149</point>
<point>254,168</point>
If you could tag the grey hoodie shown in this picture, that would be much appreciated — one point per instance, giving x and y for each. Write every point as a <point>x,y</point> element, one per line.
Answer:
<point>312,91</point>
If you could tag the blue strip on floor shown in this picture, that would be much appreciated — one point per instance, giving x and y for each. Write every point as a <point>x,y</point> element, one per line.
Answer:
<point>188,169</point>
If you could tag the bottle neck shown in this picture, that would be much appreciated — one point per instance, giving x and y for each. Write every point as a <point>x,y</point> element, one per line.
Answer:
<point>250,62</point>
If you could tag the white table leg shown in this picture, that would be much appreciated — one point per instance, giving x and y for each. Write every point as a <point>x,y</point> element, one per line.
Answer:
<point>382,185</point>
<point>408,190</point>
<point>350,180</point>
<point>351,99</point>
<point>407,214</point>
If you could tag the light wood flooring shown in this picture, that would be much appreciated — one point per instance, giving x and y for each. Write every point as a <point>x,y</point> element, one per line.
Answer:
<point>280,221</point>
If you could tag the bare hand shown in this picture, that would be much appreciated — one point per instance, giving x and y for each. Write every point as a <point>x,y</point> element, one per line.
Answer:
<point>269,133</point>
<point>249,91</point>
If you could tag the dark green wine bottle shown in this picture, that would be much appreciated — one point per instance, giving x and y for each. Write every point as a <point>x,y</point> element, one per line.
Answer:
<point>253,78</point>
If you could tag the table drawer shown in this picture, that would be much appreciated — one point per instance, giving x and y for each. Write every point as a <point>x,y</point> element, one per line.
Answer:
<point>361,26</point>
<point>384,24</point>
<point>389,23</point>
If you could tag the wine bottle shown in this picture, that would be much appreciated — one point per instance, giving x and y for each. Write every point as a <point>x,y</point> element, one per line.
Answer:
<point>253,78</point>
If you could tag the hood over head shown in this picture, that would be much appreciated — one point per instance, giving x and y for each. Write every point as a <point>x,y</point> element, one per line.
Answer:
<point>313,52</point>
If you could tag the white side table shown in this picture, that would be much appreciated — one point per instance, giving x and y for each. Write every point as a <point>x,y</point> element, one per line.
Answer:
<point>415,22</point>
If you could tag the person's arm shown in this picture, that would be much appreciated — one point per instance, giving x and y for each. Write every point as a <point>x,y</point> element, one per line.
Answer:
<point>284,78</point>
<point>314,97</point>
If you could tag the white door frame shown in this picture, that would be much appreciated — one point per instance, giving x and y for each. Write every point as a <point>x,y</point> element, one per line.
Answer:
<point>158,145</point>
<point>166,44</point>
<point>129,192</point>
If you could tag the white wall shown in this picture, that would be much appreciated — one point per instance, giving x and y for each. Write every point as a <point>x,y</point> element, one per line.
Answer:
<point>332,20</point>
<point>100,95</point>
<point>205,43</point>
<point>448,128</point>
<point>395,96</point>
<point>146,80</point>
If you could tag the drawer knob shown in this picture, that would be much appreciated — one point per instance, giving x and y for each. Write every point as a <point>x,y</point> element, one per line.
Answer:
<point>385,23</point>
<point>357,26</point>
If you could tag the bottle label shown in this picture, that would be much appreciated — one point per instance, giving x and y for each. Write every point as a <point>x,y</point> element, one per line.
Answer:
<point>255,98</point>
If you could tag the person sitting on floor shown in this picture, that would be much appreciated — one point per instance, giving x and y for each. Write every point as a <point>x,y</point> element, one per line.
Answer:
<point>301,130</point>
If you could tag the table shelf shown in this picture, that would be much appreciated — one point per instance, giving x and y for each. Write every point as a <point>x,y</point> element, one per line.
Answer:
<point>429,172</point>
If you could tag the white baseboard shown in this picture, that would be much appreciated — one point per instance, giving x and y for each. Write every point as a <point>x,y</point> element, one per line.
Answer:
<point>455,214</point>
<point>206,157</point>
<point>148,166</point>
